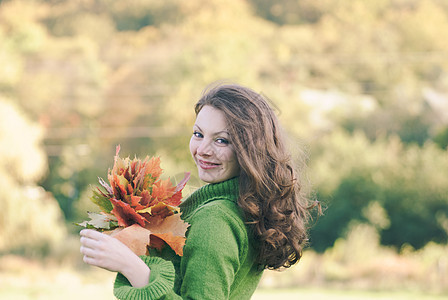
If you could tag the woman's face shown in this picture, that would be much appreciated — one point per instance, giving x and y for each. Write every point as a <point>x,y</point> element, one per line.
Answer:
<point>210,147</point>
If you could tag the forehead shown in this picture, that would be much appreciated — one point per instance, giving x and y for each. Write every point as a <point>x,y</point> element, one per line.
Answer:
<point>212,119</point>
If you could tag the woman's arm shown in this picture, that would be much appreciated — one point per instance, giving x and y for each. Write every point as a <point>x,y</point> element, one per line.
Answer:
<point>109,253</point>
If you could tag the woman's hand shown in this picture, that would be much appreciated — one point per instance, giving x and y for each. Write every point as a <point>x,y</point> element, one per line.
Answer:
<point>109,253</point>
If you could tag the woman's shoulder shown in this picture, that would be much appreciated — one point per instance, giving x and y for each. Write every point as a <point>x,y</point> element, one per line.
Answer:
<point>223,205</point>
<point>220,214</point>
<point>223,218</point>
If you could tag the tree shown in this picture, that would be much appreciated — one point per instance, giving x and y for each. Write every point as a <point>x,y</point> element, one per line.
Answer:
<point>405,183</point>
<point>30,217</point>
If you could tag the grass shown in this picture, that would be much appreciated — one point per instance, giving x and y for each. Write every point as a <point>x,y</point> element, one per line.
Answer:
<point>22,279</point>
<point>339,294</point>
<point>355,268</point>
<point>27,279</point>
<point>68,285</point>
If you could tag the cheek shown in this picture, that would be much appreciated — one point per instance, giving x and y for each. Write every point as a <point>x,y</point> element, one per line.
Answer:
<point>229,156</point>
<point>193,147</point>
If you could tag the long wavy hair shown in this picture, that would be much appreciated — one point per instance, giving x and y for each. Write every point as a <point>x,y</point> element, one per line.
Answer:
<point>270,191</point>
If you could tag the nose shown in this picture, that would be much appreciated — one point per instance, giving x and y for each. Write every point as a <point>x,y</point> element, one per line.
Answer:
<point>205,148</point>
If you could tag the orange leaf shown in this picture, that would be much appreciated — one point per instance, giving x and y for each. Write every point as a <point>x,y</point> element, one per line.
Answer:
<point>135,202</point>
<point>162,190</point>
<point>157,240</point>
<point>171,231</point>
<point>135,237</point>
<point>173,224</point>
<point>130,189</point>
<point>153,167</point>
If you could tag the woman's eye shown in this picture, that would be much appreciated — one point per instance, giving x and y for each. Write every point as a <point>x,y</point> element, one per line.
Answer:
<point>222,141</point>
<point>197,134</point>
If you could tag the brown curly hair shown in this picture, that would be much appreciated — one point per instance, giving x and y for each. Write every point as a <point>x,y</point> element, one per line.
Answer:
<point>270,190</point>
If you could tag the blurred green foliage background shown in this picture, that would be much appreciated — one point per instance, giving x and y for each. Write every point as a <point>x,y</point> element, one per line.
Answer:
<point>362,86</point>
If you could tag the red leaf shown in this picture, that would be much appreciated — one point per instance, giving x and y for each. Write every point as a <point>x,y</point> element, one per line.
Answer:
<point>175,200</point>
<point>156,242</point>
<point>125,214</point>
<point>146,198</point>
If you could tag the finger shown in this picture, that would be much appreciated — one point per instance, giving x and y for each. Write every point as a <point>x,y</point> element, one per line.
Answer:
<point>89,260</point>
<point>92,234</point>
<point>88,252</point>
<point>86,232</point>
<point>88,242</point>
<point>93,259</point>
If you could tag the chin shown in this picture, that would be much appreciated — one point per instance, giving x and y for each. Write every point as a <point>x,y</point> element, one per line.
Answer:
<point>209,178</point>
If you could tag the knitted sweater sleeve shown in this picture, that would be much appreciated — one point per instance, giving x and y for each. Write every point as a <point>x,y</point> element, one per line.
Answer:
<point>161,281</point>
<point>215,248</point>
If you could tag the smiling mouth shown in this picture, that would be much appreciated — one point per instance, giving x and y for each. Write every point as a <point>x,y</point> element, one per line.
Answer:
<point>207,165</point>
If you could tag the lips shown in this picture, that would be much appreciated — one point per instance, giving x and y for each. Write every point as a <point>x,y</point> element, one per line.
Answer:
<point>207,165</point>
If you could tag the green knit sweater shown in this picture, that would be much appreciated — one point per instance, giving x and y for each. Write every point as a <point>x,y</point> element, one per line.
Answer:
<point>219,254</point>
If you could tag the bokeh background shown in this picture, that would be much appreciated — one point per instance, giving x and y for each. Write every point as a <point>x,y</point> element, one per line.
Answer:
<point>361,88</point>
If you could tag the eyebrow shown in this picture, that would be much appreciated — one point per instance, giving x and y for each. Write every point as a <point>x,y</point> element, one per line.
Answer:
<point>216,133</point>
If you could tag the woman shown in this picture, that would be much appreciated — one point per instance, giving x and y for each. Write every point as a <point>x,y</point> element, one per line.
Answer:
<point>251,216</point>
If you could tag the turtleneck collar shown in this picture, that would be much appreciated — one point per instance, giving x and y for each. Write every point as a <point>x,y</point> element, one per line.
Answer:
<point>227,190</point>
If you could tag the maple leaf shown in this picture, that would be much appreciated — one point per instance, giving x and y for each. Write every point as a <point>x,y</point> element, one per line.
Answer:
<point>122,183</point>
<point>161,210</point>
<point>99,221</point>
<point>125,214</point>
<point>102,200</point>
<point>130,189</point>
<point>161,190</point>
<point>146,198</point>
<point>169,231</point>
<point>158,241</point>
<point>135,202</point>
<point>173,224</point>
<point>118,184</point>
<point>153,167</point>
<point>134,236</point>
<point>177,197</point>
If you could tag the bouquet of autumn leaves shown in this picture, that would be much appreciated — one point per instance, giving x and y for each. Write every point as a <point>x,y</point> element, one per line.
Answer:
<point>138,207</point>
